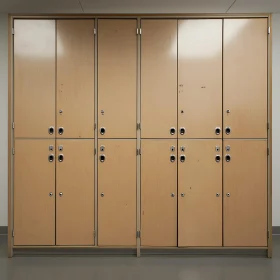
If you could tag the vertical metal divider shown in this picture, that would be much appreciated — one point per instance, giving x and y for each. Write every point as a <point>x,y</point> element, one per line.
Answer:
<point>177,140</point>
<point>222,132</point>
<point>55,135</point>
<point>138,141</point>
<point>95,133</point>
<point>269,138</point>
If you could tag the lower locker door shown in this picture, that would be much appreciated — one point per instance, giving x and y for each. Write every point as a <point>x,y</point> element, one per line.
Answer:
<point>200,193</point>
<point>34,192</point>
<point>159,193</point>
<point>75,192</point>
<point>116,192</point>
<point>245,193</point>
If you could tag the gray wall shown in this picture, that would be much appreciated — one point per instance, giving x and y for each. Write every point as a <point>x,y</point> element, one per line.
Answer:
<point>4,119</point>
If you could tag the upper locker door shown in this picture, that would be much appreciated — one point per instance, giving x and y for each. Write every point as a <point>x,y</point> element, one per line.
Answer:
<point>159,78</point>
<point>34,192</point>
<point>245,193</point>
<point>245,78</point>
<point>159,192</point>
<point>34,78</point>
<point>75,192</point>
<point>117,66</point>
<point>200,78</point>
<point>117,192</point>
<point>200,193</point>
<point>75,78</point>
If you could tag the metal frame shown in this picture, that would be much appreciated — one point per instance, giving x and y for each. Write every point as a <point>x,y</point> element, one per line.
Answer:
<point>173,250</point>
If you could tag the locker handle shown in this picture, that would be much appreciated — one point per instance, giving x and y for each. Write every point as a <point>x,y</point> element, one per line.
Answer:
<point>172,194</point>
<point>228,158</point>
<point>60,194</point>
<point>172,130</point>
<point>60,130</point>
<point>182,130</point>
<point>217,130</point>
<point>182,158</point>
<point>50,194</point>
<point>102,130</point>
<point>227,130</point>
<point>60,158</point>
<point>218,158</point>
<point>51,158</point>
<point>102,158</point>
<point>172,158</point>
<point>51,130</point>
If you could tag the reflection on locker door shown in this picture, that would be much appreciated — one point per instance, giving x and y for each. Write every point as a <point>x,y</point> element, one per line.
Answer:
<point>159,192</point>
<point>117,65</point>
<point>75,78</point>
<point>245,78</point>
<point>117,192</point>
<point>34,192</point>
<point>34,78</point>
<point>159,78</point>
<point>200,78</point>
<point>200,193</point>
<point>245,193</point>
<point>75,192</point>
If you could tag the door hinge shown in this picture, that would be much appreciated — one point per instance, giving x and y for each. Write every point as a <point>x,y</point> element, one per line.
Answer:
<point>138,234</point>
<point>138,31</point>
<point>268,151</point>
<point>138,152</point>
<point>268,234</point>
<point>13,151</point>
<point>94,31</point>
<point>268,30</point>
<point>138,126</point>
<point>13,233</point>
<point>13,125</point>
<point>13,31</point>
<point>267,125</point>
<point>94,126</point>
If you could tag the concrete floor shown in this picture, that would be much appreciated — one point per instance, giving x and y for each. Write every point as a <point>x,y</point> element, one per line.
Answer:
<point>132,268</point>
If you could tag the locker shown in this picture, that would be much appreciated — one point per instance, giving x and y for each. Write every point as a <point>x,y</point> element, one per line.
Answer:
<point>200,78</point>
<point>34,78</point>
<point>159,192</point>
<point>159,78</point>
<point>34,192</point>
<point>245,78</point>
<point>117,66</point>
<point>200,193</point>
<point>75,79</point>
<point>245,193</point>
<point>75,192</point>
<point>116,192</point>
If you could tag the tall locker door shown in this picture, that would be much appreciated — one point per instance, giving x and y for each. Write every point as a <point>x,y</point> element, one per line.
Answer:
<point>34,192</point>
<point>159,78</point>
<point>245,78</point>
<point>75,192</point>
<point>245,193</point>
<point>75,78</point>
<point>158,192</point>
<point>117,192</point>
<point>117,66</point>
<point>34,78</point>
<point>200,193</point>
<point>200,78</point>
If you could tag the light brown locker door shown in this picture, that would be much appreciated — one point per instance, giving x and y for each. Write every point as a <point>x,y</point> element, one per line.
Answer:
<point>200,78</point>
<point>159,78</point>
<point>75,79</point>
<point>34,192</point>
<point>159,192</point>
<point>200,193</point>
<point>75,192</point>
<point>34,78</point>
<point>117,192</point>
<point>245,193</point>
<point>245,78</point>
<point>117,65</point>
